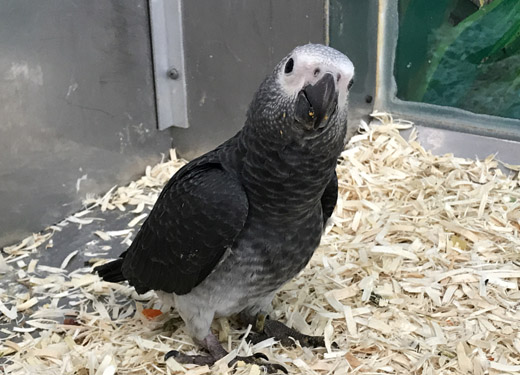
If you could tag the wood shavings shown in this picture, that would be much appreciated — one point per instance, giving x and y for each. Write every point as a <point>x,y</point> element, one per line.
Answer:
<point>29,244</point>
<point>77,220</point>
<point>175,367</point>
<point>418,272</point>
<point>118,233</point>
<point>4,267</point>
<point>27,304</point>
<point>32,265</point>
<point>136,220</point>
<point>43,268</point>
<point>139,193</point>
<point>104,236</point>
<point>8,347</point>
<point>9,313</point>
<point>393,250</point>
<point>68,259</point>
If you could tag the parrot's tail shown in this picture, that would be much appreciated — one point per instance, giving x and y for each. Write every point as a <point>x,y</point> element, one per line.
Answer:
<point>111,271</point>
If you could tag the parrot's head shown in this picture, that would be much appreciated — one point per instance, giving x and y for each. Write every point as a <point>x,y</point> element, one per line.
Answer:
<point>306,95</point>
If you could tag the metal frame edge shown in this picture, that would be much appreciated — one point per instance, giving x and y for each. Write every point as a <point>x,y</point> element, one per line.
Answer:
<point>168,53</point>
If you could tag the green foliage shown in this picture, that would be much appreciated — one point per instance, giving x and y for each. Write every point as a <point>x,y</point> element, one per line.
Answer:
<point>474,65</point>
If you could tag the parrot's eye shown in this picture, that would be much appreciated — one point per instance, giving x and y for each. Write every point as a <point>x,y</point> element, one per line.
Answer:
<point>350,84</point>
<point>289,66</point>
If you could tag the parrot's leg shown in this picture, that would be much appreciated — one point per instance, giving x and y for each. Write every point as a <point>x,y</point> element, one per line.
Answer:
<point>216,352</point>
<point>266,328</point>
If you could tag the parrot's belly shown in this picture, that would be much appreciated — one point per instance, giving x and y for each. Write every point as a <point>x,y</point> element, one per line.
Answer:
<point>261,261</point>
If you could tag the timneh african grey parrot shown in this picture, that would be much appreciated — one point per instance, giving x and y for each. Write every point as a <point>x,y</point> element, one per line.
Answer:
<point>235,224</point>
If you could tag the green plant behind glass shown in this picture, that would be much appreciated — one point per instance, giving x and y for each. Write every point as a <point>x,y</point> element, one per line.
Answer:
<point>471,63</point>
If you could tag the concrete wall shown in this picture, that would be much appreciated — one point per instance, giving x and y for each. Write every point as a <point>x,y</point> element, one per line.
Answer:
<point>230,46</point>
<point>77,99</point>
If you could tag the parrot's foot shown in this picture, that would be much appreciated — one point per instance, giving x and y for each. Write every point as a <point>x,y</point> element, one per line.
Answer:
<point>199,360</point>
<point>258,359</point>
<point>216,352</point>
<point>172,324</point>
<point>266,328</point>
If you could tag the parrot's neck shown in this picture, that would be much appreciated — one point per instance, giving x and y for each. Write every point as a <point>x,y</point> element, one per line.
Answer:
<point>287,178</point>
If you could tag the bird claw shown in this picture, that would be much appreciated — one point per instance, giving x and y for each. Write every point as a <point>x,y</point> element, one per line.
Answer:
<point>171,353</point>
<point>201,360</point>
<point>254,338</point>
<point>312,341</point>
<point>171,325</point>
<point>257,359</point>
<point>287,336</point>
<point>261,356</point>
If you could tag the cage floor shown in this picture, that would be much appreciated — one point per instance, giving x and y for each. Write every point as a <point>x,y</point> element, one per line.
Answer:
<point>418,273</point>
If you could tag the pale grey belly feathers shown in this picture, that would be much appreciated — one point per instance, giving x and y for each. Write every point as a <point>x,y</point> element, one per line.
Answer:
<point>264,257</point>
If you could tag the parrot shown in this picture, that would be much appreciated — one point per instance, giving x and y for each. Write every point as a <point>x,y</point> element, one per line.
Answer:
<point>232,226</point>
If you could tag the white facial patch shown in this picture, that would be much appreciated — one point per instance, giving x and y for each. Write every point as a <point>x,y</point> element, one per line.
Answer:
<point>309,63</point>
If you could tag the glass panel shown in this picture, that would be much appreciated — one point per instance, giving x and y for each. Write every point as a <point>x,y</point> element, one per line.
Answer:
<point>460,53</point>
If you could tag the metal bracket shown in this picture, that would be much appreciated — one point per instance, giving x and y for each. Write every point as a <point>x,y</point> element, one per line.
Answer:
<point>168,62</point>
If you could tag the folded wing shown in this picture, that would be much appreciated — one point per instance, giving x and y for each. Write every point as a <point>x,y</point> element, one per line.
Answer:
<point>198,215</point>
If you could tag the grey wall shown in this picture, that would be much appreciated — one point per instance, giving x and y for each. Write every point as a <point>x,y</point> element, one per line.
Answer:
<point>77,92</point>
<point>76,99</point>
<point>230,46</point>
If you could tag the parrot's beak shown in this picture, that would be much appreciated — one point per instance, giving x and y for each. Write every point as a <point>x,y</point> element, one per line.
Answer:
<point>318,102</point>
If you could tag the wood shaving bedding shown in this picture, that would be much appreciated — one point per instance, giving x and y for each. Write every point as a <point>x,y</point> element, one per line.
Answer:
<point>418,273</point>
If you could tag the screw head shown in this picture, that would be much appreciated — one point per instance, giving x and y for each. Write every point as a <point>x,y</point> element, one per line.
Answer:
<point>172,73</point>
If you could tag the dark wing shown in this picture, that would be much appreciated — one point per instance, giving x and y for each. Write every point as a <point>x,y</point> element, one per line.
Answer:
<point>197,216</point>
<point>329,198</point>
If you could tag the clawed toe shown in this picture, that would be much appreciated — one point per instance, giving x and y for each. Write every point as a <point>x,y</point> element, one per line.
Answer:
<point>258,359</point>
<point>254,337</point>
<point>273,368</point>
<point>287,336</point>
<point>312,341</point>
<point>288,339</point>
<point>171,353</point>
<point>261,356</point>
<point>199,360</point>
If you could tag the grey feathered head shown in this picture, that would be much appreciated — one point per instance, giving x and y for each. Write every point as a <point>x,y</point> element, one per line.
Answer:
<point>306,94</point>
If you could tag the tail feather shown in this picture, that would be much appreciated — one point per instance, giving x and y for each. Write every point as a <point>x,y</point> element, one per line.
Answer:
<point>111,271</point>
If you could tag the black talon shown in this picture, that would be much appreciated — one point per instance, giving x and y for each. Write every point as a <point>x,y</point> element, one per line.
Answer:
<point>281,368</point>
<point>216,352</point>
<point>171,353</point>
<point>287,336</point>
<point>255,338</point>
<point>261,355</point>
<point>270,368</point>
<point>313,341</point>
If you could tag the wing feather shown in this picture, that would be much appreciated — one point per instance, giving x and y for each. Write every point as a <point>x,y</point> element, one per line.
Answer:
<point>197,216</point>
<point>329,198</point>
